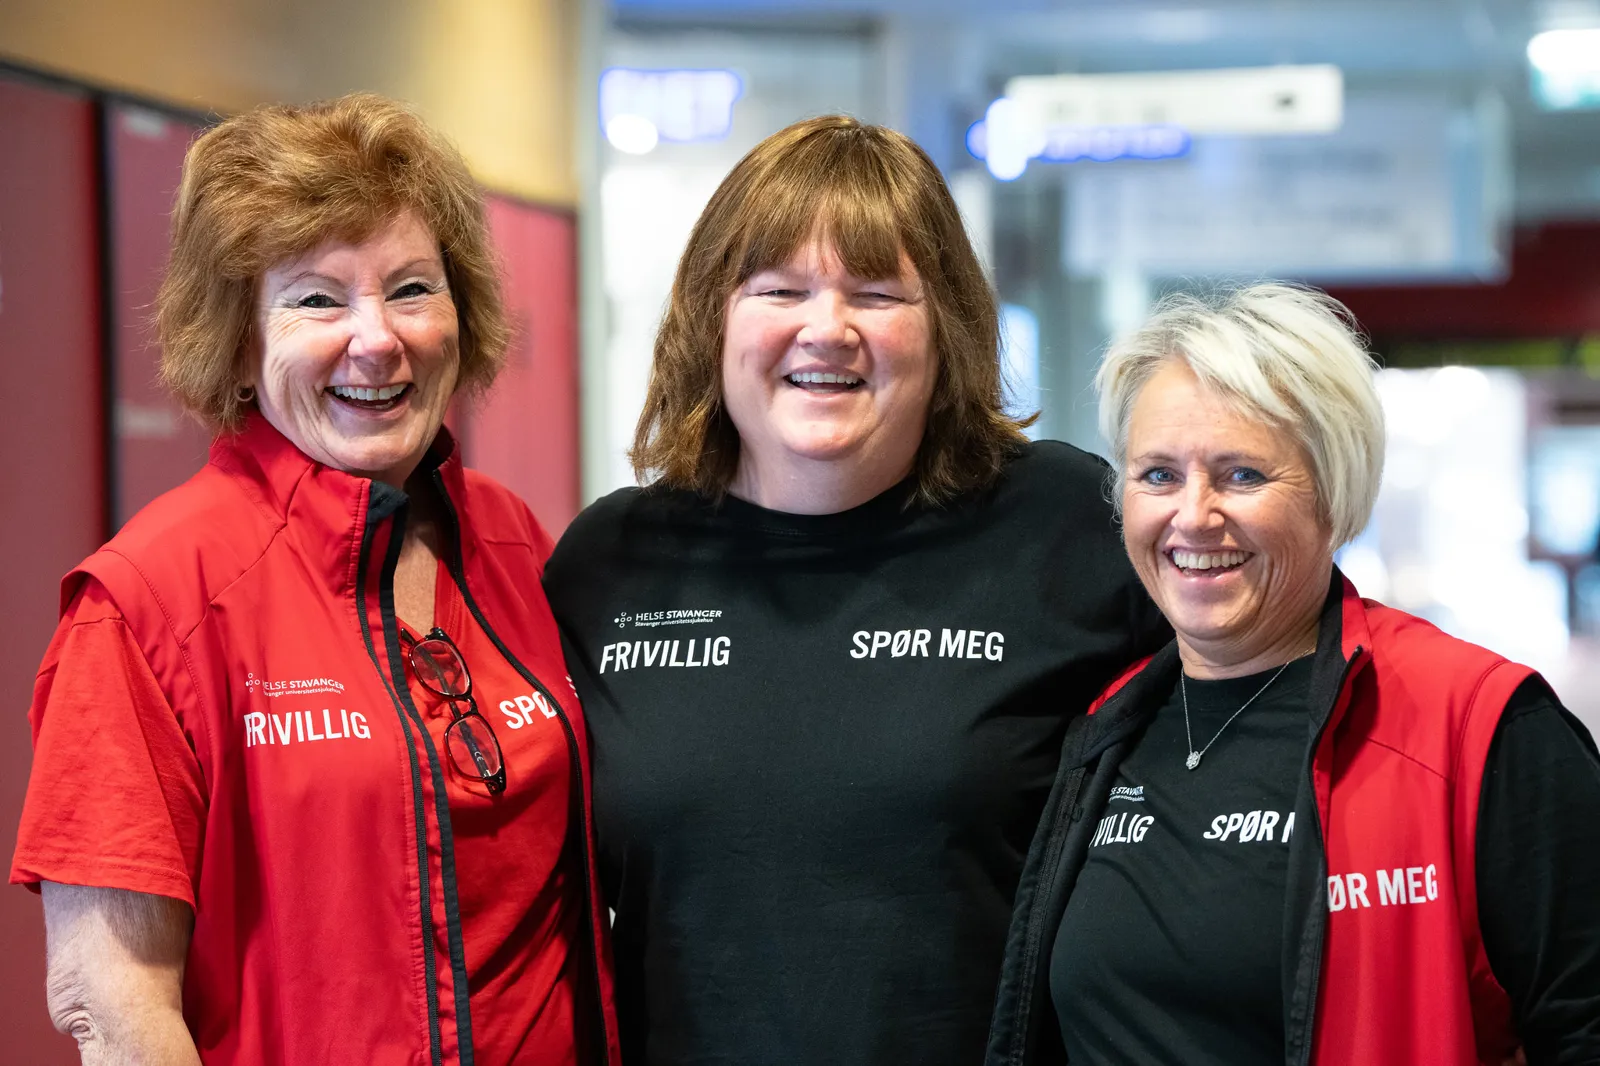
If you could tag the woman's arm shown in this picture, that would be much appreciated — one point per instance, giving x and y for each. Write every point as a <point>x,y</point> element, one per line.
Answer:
<point>115,974</point>
<point>1539,876</point>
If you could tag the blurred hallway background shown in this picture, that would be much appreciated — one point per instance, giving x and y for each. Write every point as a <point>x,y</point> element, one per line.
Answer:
<point>1434,163</point>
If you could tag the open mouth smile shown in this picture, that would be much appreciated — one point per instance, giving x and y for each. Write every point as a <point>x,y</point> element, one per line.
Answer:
<point>1207,564</point>
<point>825,381</point>
<point>385,398</point>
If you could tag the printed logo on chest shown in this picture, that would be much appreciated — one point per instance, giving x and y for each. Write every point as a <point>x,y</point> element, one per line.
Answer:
<point>280,728</point>
<point>1251,827</point>
<point>667,652</point>
<point>918,643</point>
<point>634,654</point>
<point>519,710</point>
<point>1123,828</point>
<point>1401,886</point>
<point>302,727</point>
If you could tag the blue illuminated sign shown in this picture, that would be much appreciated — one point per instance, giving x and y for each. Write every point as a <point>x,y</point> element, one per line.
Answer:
<point>682,105</point>
<point>1071,144</point>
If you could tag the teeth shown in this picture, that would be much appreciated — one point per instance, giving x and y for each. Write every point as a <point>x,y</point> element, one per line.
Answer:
<point>351,392</point>
<point>1185,560</point>
<point>819,378</point>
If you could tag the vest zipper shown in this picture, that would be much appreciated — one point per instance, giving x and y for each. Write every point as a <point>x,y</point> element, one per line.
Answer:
<point>455,943</point>
<point>377,511</point>
<point>458,572</point>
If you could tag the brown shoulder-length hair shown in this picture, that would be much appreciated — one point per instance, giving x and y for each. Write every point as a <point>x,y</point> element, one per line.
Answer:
<point>871,193</point>
<point>277,181</point>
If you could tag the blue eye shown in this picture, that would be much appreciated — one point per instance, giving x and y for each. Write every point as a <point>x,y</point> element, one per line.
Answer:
<point>1244,475</point>
<point>316,300</point>
<point>1159,475</point>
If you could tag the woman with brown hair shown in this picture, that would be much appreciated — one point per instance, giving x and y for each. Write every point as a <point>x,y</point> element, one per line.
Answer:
<point>269,814</point>
<point>825,712</point>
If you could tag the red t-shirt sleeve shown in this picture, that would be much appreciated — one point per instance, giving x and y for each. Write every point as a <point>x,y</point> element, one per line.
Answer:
<point>115,797</point>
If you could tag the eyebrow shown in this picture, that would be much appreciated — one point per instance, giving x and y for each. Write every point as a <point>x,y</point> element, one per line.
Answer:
<point>295,279</point>
<point>1223,459</point>
<point>788,273</point>
<point>424,261</point>
<point>310,272</point>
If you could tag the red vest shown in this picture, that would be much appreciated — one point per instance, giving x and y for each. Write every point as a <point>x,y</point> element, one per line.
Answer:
<point>260,592</point>
<point>1384,962</point>
<point>1397,776</point>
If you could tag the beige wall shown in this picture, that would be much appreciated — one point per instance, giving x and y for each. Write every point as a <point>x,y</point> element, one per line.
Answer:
<point>498,76</point>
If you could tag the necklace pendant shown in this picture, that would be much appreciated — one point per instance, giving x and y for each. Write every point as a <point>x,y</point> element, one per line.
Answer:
<point>1193,760</point>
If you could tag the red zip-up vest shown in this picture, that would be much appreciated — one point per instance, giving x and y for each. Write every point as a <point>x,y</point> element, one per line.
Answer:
<point>264,584</point>
<point>1384,956</point>
<point>1397,775</point>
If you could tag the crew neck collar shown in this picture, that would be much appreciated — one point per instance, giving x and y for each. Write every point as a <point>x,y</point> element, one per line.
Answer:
<point>884,511</point>
<point>1296,673</point>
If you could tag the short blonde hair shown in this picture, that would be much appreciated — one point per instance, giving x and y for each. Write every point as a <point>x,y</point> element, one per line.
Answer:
<point>274,183</point>
<point>1289,355</point>
<point>873,193</point>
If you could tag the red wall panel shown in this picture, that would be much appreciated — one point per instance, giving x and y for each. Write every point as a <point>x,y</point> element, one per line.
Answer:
<point>524,432</point>
<point>1553,290</point>
<point>157,445</point>
<point>52,480</point>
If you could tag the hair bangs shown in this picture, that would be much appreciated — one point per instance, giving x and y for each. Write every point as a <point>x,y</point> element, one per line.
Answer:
<point>873,199</point>
<point>1289,356</point>
<point>837,194</point>
<point>277,182</point>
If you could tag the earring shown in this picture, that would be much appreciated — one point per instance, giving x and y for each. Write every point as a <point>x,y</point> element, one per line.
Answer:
<point>245,393</point>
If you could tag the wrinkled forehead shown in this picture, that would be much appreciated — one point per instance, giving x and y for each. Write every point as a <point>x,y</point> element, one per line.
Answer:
<point>402,240</point>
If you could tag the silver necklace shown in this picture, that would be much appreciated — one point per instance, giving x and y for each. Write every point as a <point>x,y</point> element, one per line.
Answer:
<point>1194,756</point>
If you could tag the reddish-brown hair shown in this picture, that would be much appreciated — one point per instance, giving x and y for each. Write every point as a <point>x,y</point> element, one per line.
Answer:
<point>871,193</point>
<point>274,183</point>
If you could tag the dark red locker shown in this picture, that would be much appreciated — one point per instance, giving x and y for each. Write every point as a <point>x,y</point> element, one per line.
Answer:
<point>157,446</point>
<point>524,432</point>
<point>52,481</point>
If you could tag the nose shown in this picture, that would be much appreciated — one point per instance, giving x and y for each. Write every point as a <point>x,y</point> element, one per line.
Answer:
<point>1198,512</point>
<point>827,323</point>
<point>372,336</point>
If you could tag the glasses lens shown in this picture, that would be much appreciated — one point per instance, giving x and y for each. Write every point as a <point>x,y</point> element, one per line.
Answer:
<point>439,666</point>
<point>472,747</point>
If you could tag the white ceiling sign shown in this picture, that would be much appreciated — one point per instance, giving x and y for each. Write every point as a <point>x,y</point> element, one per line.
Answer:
<point>1239,102</point>
<point>1412,186</point>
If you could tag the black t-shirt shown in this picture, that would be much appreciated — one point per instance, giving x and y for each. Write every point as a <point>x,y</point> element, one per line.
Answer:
<point>821,746</point>
<point>1170,950</point>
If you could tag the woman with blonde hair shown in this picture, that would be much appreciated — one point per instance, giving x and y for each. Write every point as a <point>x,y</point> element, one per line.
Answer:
<point>1312,829</point>
<point>827,653</point>
<point>269,814</point>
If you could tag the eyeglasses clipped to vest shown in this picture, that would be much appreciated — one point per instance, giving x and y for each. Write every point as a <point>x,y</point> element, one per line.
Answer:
<point>469,741</point>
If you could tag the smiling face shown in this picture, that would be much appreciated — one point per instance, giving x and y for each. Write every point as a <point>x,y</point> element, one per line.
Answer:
<point>828,379</point>
<point>357,350</point>
<point>1221,521</point>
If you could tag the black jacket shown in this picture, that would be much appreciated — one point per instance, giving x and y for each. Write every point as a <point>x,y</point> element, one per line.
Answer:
<point>1024,1031</point>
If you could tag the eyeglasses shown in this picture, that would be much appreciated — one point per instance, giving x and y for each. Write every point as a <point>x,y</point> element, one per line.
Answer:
<point>469,742</point>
